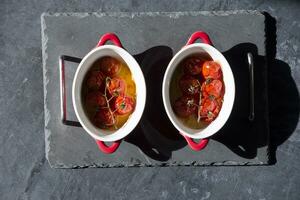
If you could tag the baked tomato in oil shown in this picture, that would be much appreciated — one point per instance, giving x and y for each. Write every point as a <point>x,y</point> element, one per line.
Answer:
<point>209,109</point>
<point>124,105</point>
<point>212,88</point>
<point>193,66</point>
<point>189,85</point>
<point>95,98</point>
<point>211,69</point>
<point>104,118</point>
<point>185,106</point>
<point>116,86</point>
<point>95,80</point>
<point>110,66</point>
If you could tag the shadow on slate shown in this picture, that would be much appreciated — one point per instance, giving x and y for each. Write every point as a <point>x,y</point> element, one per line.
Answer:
<point>283,94</point>
<point>239,134</point>
<point>155,134</point>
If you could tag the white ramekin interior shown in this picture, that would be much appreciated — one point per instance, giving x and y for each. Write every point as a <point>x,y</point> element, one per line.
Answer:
<point>229,95</point>
<point>138,77</point>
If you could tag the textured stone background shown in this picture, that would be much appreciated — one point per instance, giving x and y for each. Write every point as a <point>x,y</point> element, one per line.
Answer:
<point>24,172</point>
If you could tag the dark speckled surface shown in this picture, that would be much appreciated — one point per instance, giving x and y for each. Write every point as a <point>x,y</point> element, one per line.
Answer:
<point>24,172</point>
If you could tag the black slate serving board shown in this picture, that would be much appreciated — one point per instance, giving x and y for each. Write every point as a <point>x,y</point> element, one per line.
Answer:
<point>153,38</point>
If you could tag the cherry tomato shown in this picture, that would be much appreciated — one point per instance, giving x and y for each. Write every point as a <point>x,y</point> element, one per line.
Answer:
<point>95,98</point>
<point>212,87</point>
<point>209,109</point>
<point>104,118</point>
<point>116,86</point>
<point>109,66</point>
<point>185,106</point>
<point>193,66</point>
<point>189,85</point>
<point>95,80</point>
<point>124,105</point>
<point>212,70</point>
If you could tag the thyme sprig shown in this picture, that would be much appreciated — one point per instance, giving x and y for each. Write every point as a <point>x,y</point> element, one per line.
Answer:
<point>107,79</point>
<point>199,103</point>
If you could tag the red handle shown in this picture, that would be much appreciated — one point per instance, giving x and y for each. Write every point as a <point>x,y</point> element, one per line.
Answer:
<point>109,36</point>
<point>199,35</point>
<point>108,149</point>
<point>196,146</point>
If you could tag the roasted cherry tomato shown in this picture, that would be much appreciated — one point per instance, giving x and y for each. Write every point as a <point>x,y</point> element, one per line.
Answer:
<point>193,66</point>
<point>209,109</point>
<point>189,85</point>
<point>116,86</point>
<point>104,118</point>
<point>124,105</point>
<point>212,88</point>
<point>95,80</point>
<point>211,69</point>
<point>185,106</point>
<point>110,66</point>
<point>95,98</point>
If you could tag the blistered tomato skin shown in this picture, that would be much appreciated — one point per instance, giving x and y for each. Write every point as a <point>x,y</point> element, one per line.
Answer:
<point>212,70</point>
<point>189,85</point>
<point>209,109</point>
<point>95,99</point>
<point>110,66</point>
<point>212,87</point>
<point>124,105</point>
<point>193,66</point>
<point>104,118</point>
<point>207,105</point>
<point>95,80</point>
<point>116,86</point>
<point>185,106</point>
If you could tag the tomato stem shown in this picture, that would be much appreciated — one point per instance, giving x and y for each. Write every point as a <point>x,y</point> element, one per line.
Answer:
<point>110,98</point>
<point>107,103</point>
<point>114,111</point>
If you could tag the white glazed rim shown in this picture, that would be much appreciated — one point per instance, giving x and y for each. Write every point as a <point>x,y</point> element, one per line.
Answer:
<point>229,95</point>
<point>138,77</point>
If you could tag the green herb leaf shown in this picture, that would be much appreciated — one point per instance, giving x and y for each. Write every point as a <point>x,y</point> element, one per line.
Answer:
<point>116,93</point>
<point>210,114</point>
<point>123,105</point>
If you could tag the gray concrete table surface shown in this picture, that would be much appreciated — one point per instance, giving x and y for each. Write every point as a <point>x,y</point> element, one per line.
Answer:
<point>24,172</point>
